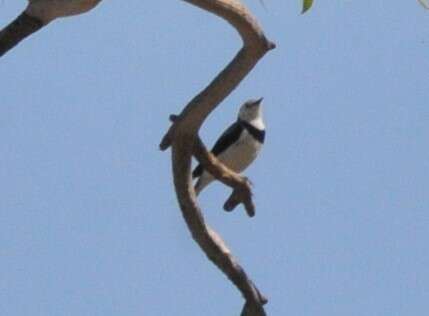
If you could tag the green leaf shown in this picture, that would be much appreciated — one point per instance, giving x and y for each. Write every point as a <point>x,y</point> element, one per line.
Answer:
<point>424,3</point>
<point>306,5</point>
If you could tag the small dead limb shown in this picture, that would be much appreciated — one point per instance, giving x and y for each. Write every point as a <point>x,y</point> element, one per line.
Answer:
<point>23,26</point>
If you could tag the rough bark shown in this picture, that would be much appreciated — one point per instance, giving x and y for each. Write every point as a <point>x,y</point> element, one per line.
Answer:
<point>183,138</point>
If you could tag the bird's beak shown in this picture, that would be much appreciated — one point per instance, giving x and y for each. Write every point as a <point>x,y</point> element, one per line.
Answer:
<point>258,102</point>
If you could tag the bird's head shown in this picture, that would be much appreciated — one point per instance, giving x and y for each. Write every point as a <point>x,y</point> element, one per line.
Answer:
<point>251,112</point>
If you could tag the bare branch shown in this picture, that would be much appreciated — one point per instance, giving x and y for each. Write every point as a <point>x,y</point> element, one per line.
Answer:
<point>23,26</point>
<point>209,241</point>
<point>183,138</point>
<point>38,14</point>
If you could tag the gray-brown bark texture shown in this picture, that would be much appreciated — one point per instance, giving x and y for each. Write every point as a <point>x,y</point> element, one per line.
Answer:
<point>183,138</point>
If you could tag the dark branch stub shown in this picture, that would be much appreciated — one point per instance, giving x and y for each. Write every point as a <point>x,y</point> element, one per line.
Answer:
<point>241,194</point>
<point>23,26</point>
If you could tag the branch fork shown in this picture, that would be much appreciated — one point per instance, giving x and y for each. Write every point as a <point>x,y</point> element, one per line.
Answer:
<point>241,186</point>
<point>185,143</point>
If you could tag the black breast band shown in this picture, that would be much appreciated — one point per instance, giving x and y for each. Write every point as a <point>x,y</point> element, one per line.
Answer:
<point>257,134</point>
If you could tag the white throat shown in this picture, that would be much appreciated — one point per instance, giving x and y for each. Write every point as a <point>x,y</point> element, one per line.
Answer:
<point>257,122</point>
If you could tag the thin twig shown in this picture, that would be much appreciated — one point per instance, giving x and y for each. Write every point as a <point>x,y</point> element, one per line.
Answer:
<point>23,26</point>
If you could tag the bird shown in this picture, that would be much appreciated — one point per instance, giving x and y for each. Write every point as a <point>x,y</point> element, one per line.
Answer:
<point>239,145</point>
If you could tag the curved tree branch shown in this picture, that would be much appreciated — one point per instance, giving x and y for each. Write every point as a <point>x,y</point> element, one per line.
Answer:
<point>38,14</point>
<point>183,138</point>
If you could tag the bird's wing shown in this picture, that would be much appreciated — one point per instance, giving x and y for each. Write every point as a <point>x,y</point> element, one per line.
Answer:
<point>230,136</point>
<point>257,134</point>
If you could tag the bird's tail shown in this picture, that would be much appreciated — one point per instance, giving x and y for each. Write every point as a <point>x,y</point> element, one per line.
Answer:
<point>199,186</point>
<point>202,182</point>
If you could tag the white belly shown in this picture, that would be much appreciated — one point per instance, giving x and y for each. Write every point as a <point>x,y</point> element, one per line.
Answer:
<point>242,153</point>
<point>237,157</point>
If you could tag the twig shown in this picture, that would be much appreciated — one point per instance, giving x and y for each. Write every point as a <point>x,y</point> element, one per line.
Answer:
<point>23,26</point>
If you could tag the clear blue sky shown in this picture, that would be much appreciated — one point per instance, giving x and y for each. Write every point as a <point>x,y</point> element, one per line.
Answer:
<point>89,224</point>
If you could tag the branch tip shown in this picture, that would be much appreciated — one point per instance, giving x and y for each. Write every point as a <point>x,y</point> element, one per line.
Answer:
<point>165,143</point>
<point>271,45</point>
<point>173,118</point>
<point>167,140</point>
